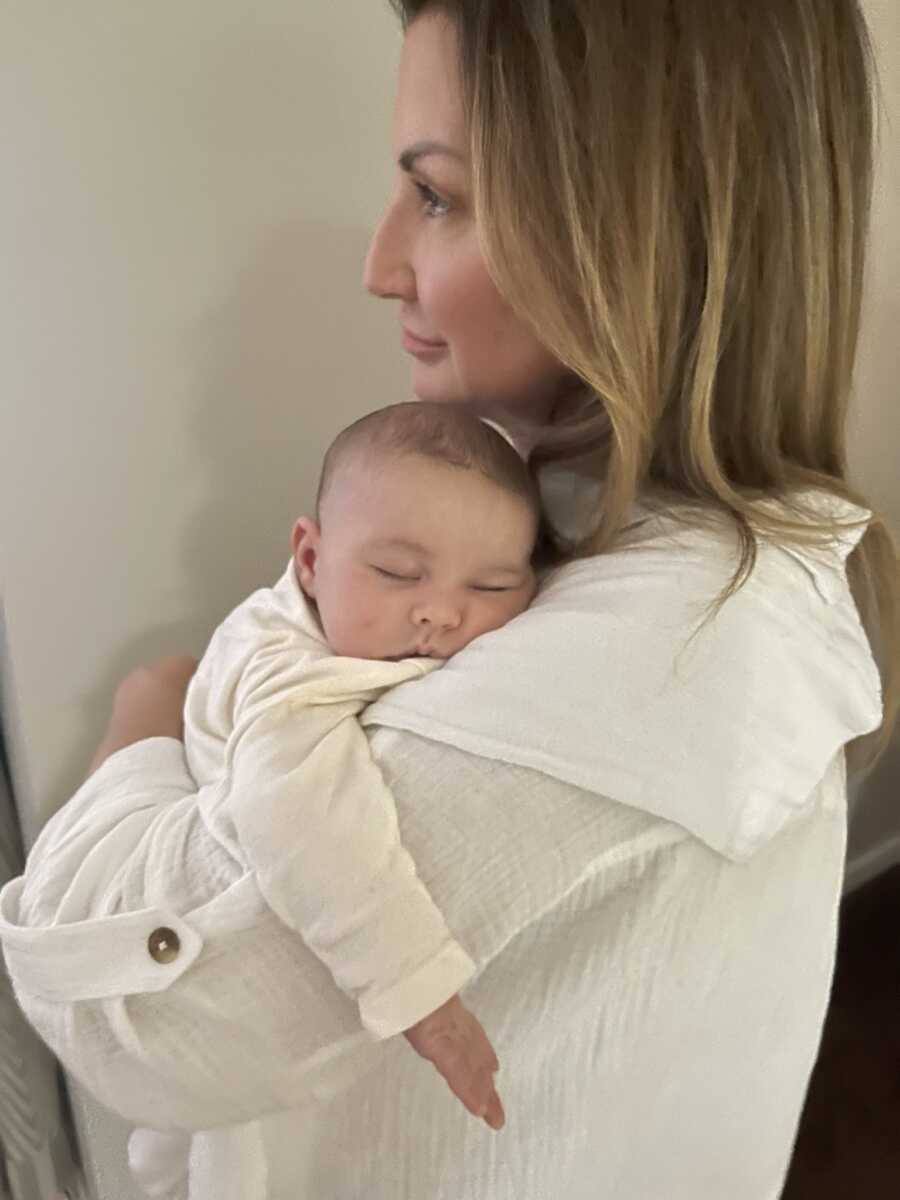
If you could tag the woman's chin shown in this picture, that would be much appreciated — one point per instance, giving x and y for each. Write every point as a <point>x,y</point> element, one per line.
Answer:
<point>436,384</point>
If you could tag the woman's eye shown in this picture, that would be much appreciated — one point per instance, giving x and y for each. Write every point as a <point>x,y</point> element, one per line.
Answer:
<point>433,205</point>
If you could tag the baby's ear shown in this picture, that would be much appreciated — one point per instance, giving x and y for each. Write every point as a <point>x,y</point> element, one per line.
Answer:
<point>305,542</point>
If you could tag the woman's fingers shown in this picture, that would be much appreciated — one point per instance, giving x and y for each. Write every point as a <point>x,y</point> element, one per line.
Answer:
<point>149,702</point>
<point>174,669</point>
<point>160,682</point>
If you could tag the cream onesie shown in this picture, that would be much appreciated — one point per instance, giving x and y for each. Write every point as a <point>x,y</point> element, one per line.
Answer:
<point>288,786</point>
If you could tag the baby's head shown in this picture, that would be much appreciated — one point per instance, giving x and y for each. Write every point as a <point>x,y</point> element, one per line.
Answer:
<point>426,520</point>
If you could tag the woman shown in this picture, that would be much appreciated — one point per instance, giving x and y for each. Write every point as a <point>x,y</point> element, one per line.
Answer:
<point>637,233</point>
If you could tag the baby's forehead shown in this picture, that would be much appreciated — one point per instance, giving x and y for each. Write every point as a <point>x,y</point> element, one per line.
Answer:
<point>377,476</point>
<point>389,493</point>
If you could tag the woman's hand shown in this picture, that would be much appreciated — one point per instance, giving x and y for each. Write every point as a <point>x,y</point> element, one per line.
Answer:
<point>149,702</point>
<point>453,1040</point>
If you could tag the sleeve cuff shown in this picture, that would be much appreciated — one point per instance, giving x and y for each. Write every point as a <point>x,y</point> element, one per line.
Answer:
<point>400,1006</point>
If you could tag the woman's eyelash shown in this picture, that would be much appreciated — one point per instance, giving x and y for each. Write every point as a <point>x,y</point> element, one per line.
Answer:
<point>433,204</point>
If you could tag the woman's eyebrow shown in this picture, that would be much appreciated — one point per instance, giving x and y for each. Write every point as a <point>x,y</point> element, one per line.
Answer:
<point>408,158</point>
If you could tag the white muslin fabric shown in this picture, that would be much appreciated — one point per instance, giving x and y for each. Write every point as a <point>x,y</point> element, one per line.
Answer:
<point>270,739</point>
<point>638,839</point>
<point>724,728</point>
<point>273,745</point>
<point>288,785</point>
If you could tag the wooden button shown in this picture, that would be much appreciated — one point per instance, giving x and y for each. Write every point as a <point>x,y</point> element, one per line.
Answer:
<point>163,945</point>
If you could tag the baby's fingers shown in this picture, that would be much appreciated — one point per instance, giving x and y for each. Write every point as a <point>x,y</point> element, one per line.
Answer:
<point>494,1114</point>
<point>486,1101</point>
<point>453,1040</point>
<point>469,1071</point>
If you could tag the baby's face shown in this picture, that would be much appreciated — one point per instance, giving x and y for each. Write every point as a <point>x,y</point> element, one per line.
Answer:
<point>414,558</point>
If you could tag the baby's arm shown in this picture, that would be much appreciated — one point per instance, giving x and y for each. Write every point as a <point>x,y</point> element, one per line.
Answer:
<point>309,808</point>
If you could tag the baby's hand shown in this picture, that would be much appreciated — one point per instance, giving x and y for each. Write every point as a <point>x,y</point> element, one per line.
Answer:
<point>453,1040</point>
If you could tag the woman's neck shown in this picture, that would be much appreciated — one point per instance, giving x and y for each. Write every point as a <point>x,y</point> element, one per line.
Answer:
<point>526,418</point>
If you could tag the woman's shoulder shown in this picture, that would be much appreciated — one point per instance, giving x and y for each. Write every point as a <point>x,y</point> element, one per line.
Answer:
<point>672,589</point>
<point>626,678</point>
<point>669,546</point>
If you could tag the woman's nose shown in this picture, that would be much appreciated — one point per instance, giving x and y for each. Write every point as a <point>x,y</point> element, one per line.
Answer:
<point>388,272</point>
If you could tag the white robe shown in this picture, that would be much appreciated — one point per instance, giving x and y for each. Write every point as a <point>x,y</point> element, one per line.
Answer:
<point>638,838</point>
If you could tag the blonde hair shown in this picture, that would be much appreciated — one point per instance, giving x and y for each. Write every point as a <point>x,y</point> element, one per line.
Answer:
<point>675,194</point>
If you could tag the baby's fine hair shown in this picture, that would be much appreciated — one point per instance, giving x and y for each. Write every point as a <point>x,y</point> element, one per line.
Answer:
<point>449,433</point>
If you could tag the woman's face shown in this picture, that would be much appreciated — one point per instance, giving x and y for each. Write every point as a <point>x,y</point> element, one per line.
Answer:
<point>426,254</point>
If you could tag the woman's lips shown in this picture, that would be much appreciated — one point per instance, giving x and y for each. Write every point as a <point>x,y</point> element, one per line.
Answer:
<point>420,347</point>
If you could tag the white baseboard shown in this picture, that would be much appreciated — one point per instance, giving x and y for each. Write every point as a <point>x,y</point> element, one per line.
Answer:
<point>865,867</point>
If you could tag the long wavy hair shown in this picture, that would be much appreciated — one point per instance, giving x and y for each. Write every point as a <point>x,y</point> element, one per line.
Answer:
<point>675,194</point>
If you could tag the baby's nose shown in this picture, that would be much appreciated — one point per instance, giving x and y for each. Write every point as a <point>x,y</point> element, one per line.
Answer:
<point>438,614</point>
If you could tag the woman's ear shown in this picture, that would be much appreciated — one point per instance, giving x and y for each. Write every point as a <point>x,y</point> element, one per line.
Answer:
<point>305,541</point>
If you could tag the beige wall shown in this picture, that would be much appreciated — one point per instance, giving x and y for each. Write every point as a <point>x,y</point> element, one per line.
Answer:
<point>184,210</point>
<point>184,214</point>
<point>186,194</point>
<point>875,428</point>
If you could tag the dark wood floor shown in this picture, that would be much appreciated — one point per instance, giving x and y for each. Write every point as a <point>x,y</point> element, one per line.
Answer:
<point>848,1147</point>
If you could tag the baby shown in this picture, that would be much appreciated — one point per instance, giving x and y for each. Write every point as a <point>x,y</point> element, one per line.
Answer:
<point>426,523</point>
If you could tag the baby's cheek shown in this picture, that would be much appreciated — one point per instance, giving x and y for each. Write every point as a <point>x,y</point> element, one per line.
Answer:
<point>370,609</point>
<point>367,615</point>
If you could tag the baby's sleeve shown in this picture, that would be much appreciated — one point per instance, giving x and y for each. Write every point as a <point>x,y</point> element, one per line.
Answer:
<point>309,808</point>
